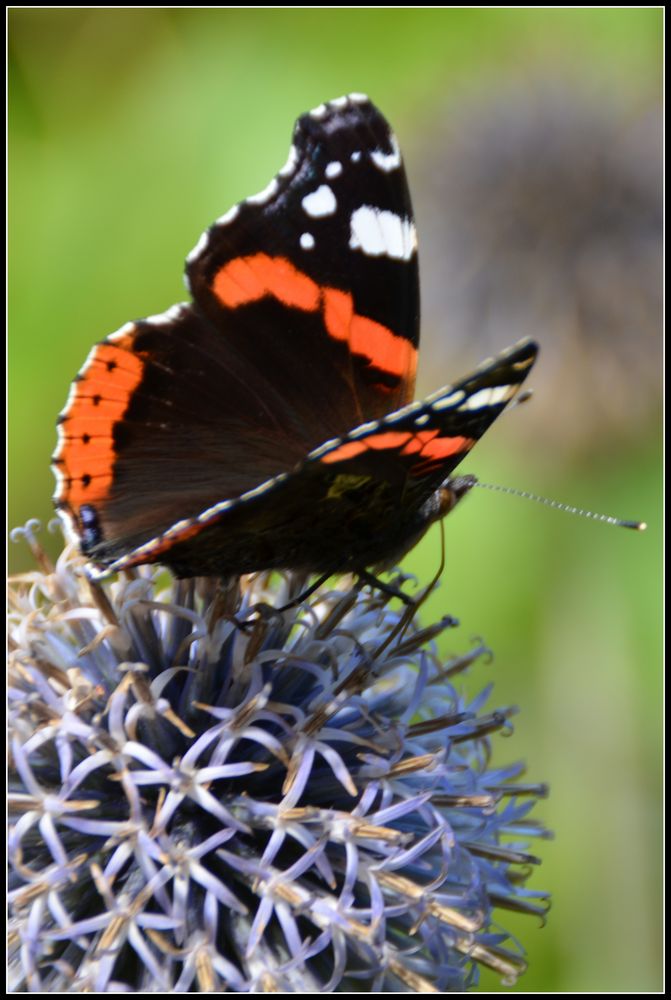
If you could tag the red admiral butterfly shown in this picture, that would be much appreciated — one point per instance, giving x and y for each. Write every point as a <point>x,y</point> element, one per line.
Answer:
<point>266,424</point>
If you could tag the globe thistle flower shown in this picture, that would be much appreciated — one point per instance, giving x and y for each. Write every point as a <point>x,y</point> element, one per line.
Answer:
<point>209,797</point>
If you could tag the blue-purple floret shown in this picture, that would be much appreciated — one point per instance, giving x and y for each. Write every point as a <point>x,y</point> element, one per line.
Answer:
<point>302,803</point>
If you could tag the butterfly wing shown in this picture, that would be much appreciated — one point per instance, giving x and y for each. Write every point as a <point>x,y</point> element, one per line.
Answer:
<point>319,271</point>
<point>356,501</point>
<point>304,323</point>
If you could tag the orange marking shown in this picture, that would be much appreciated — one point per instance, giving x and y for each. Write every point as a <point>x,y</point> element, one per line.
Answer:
<point>248,279</point>
<point>377,442</point>
<point>418,442</point>
<point>236,284</point>
<point>164,545</point>
<point>442,448</point>
<point>96,448</point>
<point>338,308</point>
<point>436,451</point>
<point>161,545</point>
<point>100,399</point>
<point>77,424</point>
<point>387,351</point>
<point>432,448</point>
<point>389,439</point>
<point>348,450</point>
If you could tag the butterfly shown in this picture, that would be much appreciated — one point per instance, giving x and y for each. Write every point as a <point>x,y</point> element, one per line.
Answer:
<point>269,422</point>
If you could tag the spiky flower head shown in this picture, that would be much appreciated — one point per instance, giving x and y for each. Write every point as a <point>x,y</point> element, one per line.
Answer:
<point>304,803</point>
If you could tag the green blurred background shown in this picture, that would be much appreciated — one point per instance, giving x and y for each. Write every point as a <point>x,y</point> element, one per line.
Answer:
<point>131,130</point>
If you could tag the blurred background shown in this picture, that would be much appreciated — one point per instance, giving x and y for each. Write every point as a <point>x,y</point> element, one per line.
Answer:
<point>532,144</point>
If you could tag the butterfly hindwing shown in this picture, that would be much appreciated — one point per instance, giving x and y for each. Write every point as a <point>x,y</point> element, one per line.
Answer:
<point>355,501</point>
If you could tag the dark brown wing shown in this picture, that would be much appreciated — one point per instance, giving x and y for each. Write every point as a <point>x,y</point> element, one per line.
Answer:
<point>304,324</point>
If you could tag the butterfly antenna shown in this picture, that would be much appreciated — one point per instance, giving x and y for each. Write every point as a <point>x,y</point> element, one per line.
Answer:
<point>525,495</point>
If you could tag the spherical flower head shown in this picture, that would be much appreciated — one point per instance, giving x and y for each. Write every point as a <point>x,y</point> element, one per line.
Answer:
<point>210,795</point>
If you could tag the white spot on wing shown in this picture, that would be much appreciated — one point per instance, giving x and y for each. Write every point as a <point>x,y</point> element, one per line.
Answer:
<point>395,418</point>
<point>291,164</point>
<point>319,111</point>
<point>319,203</point>
<point>333,169</point>
<point>217,509</point>
<point>61,478</point>
<point>387,161</point>
<point>381,233</point>
<point>198,249</point>
<point>179,527</point>
<point>356,156</point>
<point>325,448</point>
<point>488,397</point>
<point>263,488</point>
<point>71,533</point>
<point>119,334</point>
<point>263,196</point>
<point>339,102</point>
<point>363,430</point>
<point>357,98</point>
<point>447,402</point>
<point>227,217</point>
<point>163,319</point>
<point>307,241</point>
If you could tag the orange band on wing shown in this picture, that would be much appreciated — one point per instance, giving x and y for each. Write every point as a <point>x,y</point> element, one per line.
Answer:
<point>426,444</point>
<point>338,309</point>
<point>248,279</point>
<point>387,351</point>
<point>350,449</point>
<point>100,397</point>
<point>443,447</point>
<point>435,450</point>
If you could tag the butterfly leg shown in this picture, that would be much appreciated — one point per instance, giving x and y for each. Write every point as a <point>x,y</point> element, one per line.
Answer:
<point>267,611</point>
<point>304,594</point>
<point>385,588</point>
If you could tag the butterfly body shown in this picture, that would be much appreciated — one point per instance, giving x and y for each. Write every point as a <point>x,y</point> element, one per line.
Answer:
<point>269,424</point>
